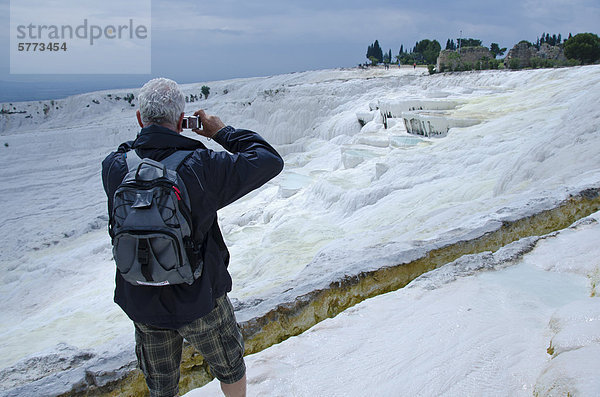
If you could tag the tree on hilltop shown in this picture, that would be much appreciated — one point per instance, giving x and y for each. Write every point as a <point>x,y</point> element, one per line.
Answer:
<point>553,40</point>
<point>387,57</point>
<point>495,50</point>
<point>390,55</point>
<point>375,51</point>
<point>584,47</point>
<point>470,42</point>
<point>205,91</point>
<point>429,50</point>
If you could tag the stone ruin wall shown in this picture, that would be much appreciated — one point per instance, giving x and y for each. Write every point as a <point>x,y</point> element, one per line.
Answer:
<point>525,51</point>
<point>451,59</point>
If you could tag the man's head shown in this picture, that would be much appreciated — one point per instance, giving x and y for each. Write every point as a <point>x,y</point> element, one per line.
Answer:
<point>161,102</point>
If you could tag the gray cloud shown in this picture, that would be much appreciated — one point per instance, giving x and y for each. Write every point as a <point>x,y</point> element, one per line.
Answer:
<point>236,38</point>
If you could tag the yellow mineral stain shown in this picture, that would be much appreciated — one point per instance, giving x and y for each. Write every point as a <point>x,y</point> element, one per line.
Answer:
<point>293,318</point>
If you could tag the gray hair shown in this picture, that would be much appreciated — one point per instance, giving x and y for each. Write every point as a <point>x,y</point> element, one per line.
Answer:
<point>161,101</point>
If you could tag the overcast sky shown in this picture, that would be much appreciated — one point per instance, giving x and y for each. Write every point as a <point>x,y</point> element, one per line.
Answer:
<point>199,40</point>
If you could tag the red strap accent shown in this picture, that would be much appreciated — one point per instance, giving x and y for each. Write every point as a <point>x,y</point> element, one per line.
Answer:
<point>177,193</point>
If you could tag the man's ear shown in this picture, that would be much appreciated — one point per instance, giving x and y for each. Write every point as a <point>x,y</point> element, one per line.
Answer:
<point>180,123</point>
<point>139,118</point>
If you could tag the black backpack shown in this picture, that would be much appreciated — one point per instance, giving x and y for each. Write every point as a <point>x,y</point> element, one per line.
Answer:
<point>151,224</point>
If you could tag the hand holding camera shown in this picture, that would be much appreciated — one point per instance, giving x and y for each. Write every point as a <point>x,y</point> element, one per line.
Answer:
<point>203,124</point>
<point>190,123</point>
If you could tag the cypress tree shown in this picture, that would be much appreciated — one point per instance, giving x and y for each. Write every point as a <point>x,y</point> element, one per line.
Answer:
<point>450,45</point>
<point>374,50</point>
<point>378,51</point>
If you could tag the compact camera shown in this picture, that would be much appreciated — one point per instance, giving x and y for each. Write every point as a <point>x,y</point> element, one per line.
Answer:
<point>191,122</point>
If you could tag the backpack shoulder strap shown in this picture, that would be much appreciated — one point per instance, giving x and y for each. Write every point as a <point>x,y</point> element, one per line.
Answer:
<point>173,161</point>
<point>133,160</point>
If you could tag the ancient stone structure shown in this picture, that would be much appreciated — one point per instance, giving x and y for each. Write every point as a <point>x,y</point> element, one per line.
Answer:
<point>525,52</point>
<point>449,60</point>
<point>548,51</point>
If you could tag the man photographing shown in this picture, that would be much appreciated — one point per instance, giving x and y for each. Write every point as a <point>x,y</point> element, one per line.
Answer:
<point>199,311</point>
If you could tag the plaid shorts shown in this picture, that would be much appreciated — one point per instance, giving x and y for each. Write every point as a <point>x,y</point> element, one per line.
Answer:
<point>216,336</point>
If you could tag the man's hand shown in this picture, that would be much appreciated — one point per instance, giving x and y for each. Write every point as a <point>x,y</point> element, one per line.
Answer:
<point>210,124</point>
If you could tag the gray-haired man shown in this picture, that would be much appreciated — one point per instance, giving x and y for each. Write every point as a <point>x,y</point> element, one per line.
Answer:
<point>201,312</point>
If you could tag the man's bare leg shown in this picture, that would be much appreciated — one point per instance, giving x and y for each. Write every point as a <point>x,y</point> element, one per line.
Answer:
<point>237,389</point>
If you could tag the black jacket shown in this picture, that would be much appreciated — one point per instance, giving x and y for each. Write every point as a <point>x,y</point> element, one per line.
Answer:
<point>213,180</point>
